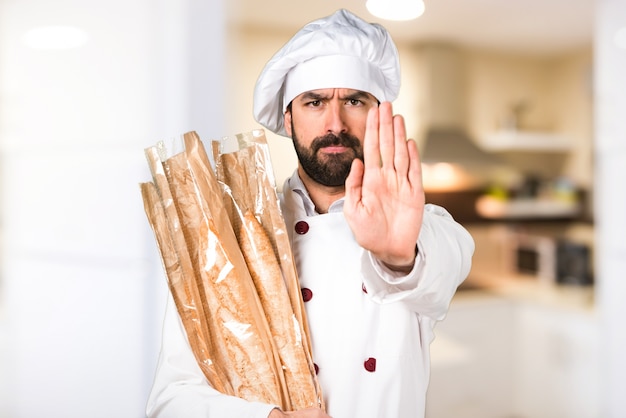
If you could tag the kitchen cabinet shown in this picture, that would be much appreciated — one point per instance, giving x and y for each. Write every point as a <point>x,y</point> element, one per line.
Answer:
<point>526,141</point>
<point>525,351</point>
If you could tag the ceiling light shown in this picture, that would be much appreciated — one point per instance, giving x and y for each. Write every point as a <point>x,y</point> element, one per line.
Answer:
<point>55,37</point>
<point>396,9</point>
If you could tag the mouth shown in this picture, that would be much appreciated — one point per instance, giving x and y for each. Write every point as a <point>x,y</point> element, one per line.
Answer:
<point>334,149</point>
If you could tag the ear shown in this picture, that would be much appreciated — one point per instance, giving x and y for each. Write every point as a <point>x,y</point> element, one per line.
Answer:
<point>287,121</point>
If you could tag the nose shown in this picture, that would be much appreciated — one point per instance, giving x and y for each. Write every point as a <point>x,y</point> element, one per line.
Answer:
<point>335,118</point>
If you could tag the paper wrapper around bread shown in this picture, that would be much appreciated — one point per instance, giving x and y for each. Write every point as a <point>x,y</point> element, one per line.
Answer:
<point>221,309</point>
<point>216,299</point>
<point>244,171</point>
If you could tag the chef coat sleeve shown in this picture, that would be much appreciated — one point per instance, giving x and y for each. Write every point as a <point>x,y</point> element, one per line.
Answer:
<point>180,388</point>
<point>443,261</point>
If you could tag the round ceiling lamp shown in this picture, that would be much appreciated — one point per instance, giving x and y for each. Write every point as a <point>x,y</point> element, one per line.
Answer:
<point>396,9</point>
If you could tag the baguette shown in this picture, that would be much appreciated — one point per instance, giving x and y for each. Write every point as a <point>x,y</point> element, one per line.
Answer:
<point>249,193</point>
<point>247,179</point>
<point>284,327</point>
<point>250,370</point>
<point>236,317</point>
<point>182,285</point>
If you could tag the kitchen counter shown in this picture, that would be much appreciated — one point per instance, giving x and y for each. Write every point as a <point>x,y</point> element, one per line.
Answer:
<point>513,345</point>
<point>529,289</point>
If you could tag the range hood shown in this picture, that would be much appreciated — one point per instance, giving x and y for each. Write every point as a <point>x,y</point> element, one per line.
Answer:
<point>442,101</point>
<point>441,86</point>
<point>454,146</point>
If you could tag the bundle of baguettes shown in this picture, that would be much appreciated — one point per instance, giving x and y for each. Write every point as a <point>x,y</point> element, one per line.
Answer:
<point>244,170</point>
<point>225,315</point>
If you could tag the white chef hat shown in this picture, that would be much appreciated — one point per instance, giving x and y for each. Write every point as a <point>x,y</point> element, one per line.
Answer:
<point>338,51</point>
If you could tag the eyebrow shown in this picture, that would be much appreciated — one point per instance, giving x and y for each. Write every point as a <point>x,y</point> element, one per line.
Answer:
<point>311,95</point>
<point>357,95</point>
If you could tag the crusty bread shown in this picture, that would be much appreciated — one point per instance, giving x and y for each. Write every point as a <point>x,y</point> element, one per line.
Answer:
<point>251,369</point>
<point>232,276</point>
<point>236,318</point>
<point>182,285</point>
<point>268,280</point>
<point>250,196</point>
<point>247,177</point>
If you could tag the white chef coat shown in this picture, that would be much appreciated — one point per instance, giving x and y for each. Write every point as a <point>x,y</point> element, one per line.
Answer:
<point>371,328</point>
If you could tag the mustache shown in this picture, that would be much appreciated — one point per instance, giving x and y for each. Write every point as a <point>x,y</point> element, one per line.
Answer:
<point>330,139</point>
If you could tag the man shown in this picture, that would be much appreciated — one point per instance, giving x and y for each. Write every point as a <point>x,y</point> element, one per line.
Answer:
<point>377,266</point>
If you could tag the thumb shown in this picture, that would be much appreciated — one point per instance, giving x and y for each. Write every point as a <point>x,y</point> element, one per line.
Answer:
<point>354,184</point>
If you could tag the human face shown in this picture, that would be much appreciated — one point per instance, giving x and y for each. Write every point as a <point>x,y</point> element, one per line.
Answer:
<point>327,127</point>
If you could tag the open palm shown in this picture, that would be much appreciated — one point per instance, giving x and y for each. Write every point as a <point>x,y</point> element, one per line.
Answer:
<point>384,202</point>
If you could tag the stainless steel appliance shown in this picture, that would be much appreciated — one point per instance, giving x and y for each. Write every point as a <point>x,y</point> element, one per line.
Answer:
<point>573,264</point>
<point>551,260</point>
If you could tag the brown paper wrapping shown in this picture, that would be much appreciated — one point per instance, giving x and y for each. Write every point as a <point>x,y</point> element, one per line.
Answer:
<point>250,195</point>
<point>232,277</point>
<point>181,280</point>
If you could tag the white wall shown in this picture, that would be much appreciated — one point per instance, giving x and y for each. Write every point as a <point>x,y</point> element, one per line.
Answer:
<point>610,171</point>
<point>249,50</point>
<point>81,285</point>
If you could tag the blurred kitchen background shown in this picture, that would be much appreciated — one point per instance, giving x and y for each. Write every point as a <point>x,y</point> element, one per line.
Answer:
<point>517,108</point>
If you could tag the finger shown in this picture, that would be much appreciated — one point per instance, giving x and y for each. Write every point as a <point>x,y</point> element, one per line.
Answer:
<point>385,133</point>
<point>401,154</point>
<point>371,151</point>
<point>354,185</point>
<point>415,165</point>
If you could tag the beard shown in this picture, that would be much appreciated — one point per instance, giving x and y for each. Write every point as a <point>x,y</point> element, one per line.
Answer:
<point>328,169</point>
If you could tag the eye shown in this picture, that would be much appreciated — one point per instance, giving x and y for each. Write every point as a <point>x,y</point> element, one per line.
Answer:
<point>314,103</point>
<point>355,102</point>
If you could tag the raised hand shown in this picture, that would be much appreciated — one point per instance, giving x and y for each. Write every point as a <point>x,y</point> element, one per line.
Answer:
<point>384,202</point>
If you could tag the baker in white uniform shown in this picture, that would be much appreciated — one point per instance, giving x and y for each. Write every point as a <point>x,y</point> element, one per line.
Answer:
<point>378,267</point>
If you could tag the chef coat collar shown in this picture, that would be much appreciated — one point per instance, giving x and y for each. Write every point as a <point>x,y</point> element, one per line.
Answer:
<point>296,184</point>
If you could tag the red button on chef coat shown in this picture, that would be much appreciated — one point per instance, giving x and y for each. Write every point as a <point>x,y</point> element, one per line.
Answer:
<point>307,294</point>
<point>370,364</point>
<point>301,227</point>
